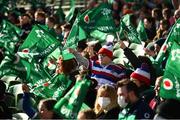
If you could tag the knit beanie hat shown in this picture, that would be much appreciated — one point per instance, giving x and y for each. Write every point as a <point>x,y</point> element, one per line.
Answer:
<point>107,50</point>
<point>142,74</point>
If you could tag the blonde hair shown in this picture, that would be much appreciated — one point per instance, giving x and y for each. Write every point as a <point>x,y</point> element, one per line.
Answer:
<point>111,92</point>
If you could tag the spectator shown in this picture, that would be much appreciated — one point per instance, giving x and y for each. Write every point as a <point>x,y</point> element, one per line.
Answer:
<point>25,25</point>
<point>92,4</point>
<point>141,77</point>
<point>157,99</point>
<point>103,70</point>
<point>163,30</point>
<point>168,110</point>
<point>177,14</point>
<point>106,106</point>
<point>157,15</point>
<point>167,15</point>
<point>150,28</point>
<point>39,17</point>
<point>5,113</point>
<point>133,106</point>
<point>65,31</point>
<point>58,31</point>
<point>137,61</point>
<point>86,114</point>
<point>81,46</point>
<point>50,22</point>
<point>45,107</point>
<point>13,18</point>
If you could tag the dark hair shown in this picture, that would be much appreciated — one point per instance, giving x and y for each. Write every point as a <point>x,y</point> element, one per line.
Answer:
<point>130,86</point>
<point>68,65</point>
<point>89,113</point>
<point>150,20</point>
<point>67,26</point>
<point>52,19</point>
<point>2,88</point>
<point>97,47</point>
<point>167,12</point>
<point>158,13</point>
<point>82,44</point>
<point>165,23</point>
<point>169,109</point>
<point>49,104</point>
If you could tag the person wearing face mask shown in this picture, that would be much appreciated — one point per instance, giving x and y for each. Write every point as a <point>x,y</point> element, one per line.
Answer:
<point>106,106</point>
<point>133,106</point>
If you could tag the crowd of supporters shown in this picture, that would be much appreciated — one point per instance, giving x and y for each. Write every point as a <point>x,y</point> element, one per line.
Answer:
<point>119,89</point>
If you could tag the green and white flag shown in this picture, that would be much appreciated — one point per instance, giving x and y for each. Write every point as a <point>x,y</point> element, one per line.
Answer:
<point>9,67</point>
<point>76,34</point>
<point>71,12</point>
<point>39,43</point>
<point>127,30</point>
<point>9,36</point>
<point>172,36</point>
<point>69,106</point>
<point>170,87</point>
<point>99,18</point>
<point>54,88</point>
<point>141,31</point>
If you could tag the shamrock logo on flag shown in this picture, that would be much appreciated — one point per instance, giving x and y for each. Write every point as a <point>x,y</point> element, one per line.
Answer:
<point>86,19</point>
<point>167,84</point>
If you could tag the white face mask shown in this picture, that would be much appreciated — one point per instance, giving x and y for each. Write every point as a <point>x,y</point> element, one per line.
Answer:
<point>121,101</point>
<point>104,101</point>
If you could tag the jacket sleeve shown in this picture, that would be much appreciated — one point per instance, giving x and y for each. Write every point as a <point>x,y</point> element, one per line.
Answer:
<point>133,59</point>
<point>27,107</point>
<point>81,60</point>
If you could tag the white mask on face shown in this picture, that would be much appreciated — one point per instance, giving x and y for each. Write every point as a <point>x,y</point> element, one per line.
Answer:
<point>104,101</point>
<point>121,101</point>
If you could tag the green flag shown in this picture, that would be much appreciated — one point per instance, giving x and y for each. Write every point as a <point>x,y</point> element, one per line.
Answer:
<point>69,106</point>
<point>101,36</point>
<point>4,6</point>
<point>99,18</point>
<point>170,87</point>
<point>60,13</point>
<point>141,31</point>
<point>9,26</point>
<point>127,30</point>
<point>9,36</point>
<point>172,36</point>
<point>54,88</point>
<point>9,66</point>
<point>39,42</point>
<point>71,12</point>
<point>76,34</point>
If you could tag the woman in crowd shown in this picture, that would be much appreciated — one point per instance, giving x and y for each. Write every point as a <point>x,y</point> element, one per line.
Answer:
<point>106,106</point>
